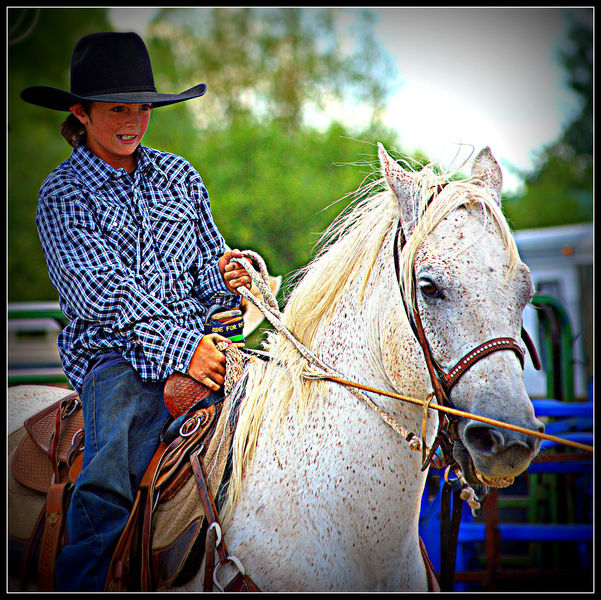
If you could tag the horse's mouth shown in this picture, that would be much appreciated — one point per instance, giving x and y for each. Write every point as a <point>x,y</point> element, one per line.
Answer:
<point>471,473</point>
<point>496,482</point>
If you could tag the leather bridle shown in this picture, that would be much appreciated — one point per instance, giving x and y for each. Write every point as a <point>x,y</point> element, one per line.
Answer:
<point>444,381</point>
<point>447,434</point>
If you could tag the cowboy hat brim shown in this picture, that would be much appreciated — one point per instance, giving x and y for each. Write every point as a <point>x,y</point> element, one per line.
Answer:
<point>56,99</point>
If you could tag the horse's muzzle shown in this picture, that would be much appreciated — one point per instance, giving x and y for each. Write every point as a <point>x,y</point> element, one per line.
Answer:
<point>499,453</point>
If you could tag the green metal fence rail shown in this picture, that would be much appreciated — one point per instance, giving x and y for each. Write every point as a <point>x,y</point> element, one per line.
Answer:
<point>557,347</point>
<point>40,374</point>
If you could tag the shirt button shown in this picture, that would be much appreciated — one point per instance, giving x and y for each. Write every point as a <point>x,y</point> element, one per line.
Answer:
<point>180,366</point>
<point>153,294</point>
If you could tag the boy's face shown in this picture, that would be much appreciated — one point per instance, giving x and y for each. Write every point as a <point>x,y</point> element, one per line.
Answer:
<point>114,130</point>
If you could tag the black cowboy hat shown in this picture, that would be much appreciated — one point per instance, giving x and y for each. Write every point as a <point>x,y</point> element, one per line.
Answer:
<point>108,67</point>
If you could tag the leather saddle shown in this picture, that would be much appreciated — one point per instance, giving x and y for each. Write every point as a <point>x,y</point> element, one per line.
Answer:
<point>53,437</point>
<point>48,460</point>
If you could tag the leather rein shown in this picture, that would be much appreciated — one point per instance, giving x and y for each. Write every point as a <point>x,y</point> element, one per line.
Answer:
<point>453,491</point>
<point>444,381</point>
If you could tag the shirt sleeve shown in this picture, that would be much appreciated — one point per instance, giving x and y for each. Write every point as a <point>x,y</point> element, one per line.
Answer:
<point>95,285</point>
<point>209,283</point>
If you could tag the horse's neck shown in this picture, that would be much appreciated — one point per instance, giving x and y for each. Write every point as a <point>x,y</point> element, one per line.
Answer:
<point>334,498</point>
<point>339,478</point>
<point>370,339</point>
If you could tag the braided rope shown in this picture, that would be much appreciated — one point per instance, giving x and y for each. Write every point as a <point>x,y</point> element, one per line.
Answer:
<point>271,311</point>
<point>235,363</point>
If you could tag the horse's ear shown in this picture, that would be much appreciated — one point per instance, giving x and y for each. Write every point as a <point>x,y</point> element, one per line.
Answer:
<point>402,186</point>
<point>487,169</point>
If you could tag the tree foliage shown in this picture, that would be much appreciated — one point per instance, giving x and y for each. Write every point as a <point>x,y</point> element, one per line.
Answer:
<point>277,64</point>
<point>559,190</point>
<point>274,192</point>
<point>274,180</point>
<point>41,42</point>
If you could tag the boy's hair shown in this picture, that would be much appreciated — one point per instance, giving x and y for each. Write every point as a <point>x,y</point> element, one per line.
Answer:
<point>73,130</point>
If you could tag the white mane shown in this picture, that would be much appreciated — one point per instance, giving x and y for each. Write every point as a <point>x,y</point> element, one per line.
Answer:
<point>349,247</point>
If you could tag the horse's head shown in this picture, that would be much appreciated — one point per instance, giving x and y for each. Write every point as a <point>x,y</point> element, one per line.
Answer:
<point>461,277</point>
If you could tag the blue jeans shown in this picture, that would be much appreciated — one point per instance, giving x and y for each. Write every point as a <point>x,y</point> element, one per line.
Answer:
<point>123,418</point>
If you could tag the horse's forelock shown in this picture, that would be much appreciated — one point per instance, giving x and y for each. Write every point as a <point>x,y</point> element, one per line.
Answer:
<point>435,205</point>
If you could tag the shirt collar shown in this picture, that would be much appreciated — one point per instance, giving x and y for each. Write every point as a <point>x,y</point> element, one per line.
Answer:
<point>147,163</point>
<point>94,172</point>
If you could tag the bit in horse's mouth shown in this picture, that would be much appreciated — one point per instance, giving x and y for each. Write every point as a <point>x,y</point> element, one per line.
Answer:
<point>496,482</point>
<point>471,474</point>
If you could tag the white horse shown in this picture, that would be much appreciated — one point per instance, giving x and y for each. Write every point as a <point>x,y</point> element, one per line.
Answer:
<point>324,494</point>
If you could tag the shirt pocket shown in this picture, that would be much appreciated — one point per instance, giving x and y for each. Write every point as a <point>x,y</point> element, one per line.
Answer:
<point>119,231</point>
<point>113,219</point>
<point>77,216</point>
<point>175,226</point>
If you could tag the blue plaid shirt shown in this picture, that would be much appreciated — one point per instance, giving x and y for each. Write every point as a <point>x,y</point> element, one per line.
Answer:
<point>134,260</point>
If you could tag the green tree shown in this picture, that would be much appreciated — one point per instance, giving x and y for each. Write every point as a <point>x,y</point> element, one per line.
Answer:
<point>273,190</point>
<point>560,188</point>
<point>40,44</point>
<point>272,62</point>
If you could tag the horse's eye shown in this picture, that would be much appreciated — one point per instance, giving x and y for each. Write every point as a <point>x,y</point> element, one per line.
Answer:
<point>429,289</point>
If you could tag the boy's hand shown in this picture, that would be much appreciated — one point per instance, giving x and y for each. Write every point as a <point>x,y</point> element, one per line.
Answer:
<point>208,363</point>
<point>234,275</point>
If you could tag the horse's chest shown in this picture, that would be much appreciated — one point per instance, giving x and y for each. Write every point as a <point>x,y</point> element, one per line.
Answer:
<point>321,506</point>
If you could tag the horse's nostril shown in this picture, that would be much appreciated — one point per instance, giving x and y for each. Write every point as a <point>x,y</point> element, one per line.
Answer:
<point>484,440</point>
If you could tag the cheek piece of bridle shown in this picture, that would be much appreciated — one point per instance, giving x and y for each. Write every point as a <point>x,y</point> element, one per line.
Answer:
<point>444,381</point>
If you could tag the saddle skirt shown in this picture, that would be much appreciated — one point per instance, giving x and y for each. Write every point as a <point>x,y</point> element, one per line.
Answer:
<point>48,444</point>
<point>167,520</point>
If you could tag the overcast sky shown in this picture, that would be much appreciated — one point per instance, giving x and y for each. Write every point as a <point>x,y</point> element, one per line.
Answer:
<point>479,76</point>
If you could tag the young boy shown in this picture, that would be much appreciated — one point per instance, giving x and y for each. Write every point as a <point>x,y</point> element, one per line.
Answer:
<point>135,255</point>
